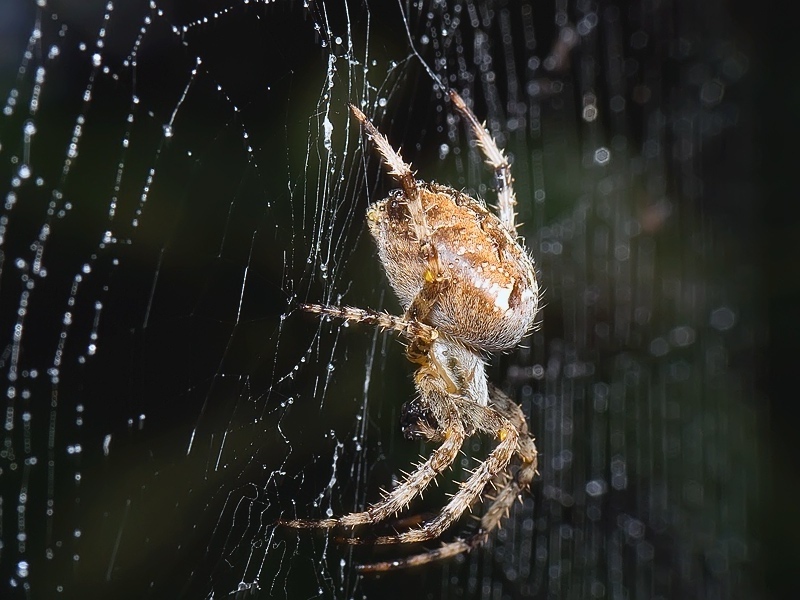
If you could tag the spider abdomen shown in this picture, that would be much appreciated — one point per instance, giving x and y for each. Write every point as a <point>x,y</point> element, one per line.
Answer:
<point>490,296</point>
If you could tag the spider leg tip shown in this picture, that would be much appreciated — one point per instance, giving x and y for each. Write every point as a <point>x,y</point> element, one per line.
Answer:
<point>357,112</point>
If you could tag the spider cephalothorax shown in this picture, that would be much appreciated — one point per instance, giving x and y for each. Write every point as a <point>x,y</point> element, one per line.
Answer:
<point>467,287</point>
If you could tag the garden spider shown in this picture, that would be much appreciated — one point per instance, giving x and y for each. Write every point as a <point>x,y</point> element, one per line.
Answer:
<point>468,288</point>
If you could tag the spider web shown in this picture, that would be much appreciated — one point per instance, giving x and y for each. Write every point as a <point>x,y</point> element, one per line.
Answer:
<point>177,176</point>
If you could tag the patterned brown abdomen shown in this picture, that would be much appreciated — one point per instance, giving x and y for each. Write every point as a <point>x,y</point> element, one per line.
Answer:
<point>490,298</point>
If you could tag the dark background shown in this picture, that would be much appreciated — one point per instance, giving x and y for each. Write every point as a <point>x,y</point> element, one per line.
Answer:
<point>157,463</point>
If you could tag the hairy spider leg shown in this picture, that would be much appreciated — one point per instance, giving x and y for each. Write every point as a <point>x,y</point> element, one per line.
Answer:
<point>520,482</point>
<point>491,519</point>
<point>446,550</point>
<point>412,486</point>
<point>527,448</point>
<point>401,171</point>
<point>495,158</point>
<point>435,279</point>
<point>411,329</point>
<point>510,489</point>
<point>470,490</point>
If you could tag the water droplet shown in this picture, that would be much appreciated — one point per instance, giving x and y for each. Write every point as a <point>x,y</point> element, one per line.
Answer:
<point>602,155</point>
<point>722,318</point>
<point>22,568</point>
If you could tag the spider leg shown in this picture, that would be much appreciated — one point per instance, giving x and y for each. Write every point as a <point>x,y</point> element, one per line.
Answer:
<point>490,520</point>
<point>401,171</point>
<point>427,297</point>
<point>526,449</point>
<point>514,485</point>
<point>526,452</point>
<point>445,551</point>
<point>414,483</point>
<point>411,329</point>
<point>495,158</point>
<point>509,490</point>
<point>470,489</point>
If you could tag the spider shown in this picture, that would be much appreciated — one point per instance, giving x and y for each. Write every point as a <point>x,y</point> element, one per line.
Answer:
<point>468,288</point>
